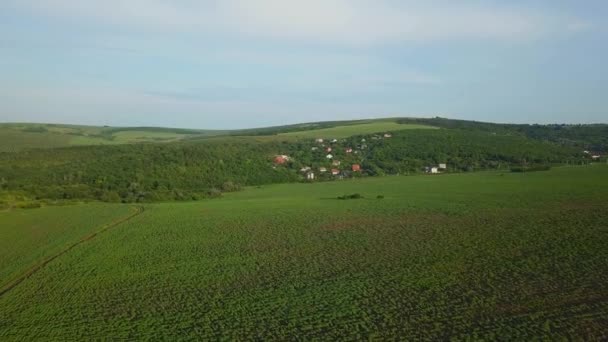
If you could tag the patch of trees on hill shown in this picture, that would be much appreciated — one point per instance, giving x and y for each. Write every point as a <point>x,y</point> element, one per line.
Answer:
<point>194,170</point>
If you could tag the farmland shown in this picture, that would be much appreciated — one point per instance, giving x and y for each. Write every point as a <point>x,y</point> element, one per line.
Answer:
<point>483,255</point>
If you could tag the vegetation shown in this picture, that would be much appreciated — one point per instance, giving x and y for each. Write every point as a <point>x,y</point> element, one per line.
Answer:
<point>199,169</point>
<point>358,129</point>
<point>482,256</point>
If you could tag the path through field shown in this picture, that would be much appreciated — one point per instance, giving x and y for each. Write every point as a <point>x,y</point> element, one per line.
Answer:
<point>12,284</point>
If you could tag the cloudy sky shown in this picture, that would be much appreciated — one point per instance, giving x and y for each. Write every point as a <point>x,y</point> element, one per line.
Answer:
<point>244,63</point>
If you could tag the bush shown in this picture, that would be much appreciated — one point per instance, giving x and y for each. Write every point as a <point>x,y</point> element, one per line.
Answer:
<point>347,197</point>
<point>533,168</point>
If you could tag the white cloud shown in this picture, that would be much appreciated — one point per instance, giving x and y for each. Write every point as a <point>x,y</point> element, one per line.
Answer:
<point>358,22</point>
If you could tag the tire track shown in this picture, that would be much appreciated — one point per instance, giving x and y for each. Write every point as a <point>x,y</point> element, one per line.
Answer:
<point>32,270</point>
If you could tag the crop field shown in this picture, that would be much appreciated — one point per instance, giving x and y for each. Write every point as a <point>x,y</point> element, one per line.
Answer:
<point>358,129</point>
<point>28,237</point>
<point>489,255</point>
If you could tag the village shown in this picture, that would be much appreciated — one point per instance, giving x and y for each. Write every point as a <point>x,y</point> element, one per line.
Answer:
<point>330,159</point>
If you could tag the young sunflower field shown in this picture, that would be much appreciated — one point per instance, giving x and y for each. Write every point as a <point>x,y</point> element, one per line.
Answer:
<point>488,255</point>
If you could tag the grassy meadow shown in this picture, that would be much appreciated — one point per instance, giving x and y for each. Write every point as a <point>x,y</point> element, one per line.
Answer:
<point>488,255</point>
<point>17,137</point>
<point>346,131</point>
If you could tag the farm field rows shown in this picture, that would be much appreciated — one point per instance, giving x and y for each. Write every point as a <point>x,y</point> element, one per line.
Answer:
<point>477,255</point>
<point>28,237</point>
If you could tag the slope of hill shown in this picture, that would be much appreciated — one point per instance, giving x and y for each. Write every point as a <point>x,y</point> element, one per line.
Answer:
<point>18,137</point>
<point>192,169</point>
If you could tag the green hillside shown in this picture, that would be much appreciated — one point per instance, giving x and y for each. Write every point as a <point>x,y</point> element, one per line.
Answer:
<point>484,256</point>
<point>358,129</point>
<point>18,137</point>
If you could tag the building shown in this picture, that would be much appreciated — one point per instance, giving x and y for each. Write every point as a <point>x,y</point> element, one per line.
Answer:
<point>356,168</point>
<point>305,169</point>
<point>328,149</point>
<point>431,169</point>
<point>596,157</point>
<point>443,166</point>
<point>281,159</point>
<point>388,135</point>
<point>329,156</point>
<point>334,141</point>
<point>349,150</point>
<point>322,169</point>
<point>314,148</point>
<point>335,172</point>
<point>319,140</point>
<point>336,163</point>
<point>310,175</point>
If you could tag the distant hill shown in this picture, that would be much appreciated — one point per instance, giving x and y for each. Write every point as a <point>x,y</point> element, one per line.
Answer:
<point>160,164</point>
<point>15,137</point>
<point>20,136</point>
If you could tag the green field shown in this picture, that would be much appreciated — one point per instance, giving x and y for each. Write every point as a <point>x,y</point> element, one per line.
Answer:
<point>513,256</point>
<point>355,129</point>
<point>17,137</point>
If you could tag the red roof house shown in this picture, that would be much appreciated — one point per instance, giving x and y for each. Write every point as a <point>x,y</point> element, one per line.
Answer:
<point>356,168</point>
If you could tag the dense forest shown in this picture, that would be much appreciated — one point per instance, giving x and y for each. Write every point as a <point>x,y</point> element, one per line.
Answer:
<point>199,169</point>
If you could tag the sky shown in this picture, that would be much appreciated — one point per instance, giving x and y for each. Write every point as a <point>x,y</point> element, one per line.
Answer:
<point>224,64</point>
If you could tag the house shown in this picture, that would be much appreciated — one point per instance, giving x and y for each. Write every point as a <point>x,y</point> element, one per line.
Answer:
<point>334,141</point>
<point>596,157</point>
<point>431,169</point>
<point>328,149</point>
<point>305,169</point>
<point>388,135</point>
<point>336,163</point>
<point>349,150</point>
<point>319,140</point>
<point>329,156</point>
<point>322,169</point>
<point>310,175</point>
<point>314,148</point>
<point>356,168</point>
<point>281,159</point>
<point>335,172</point>
<point>363,140</point>
<point>443,166</point>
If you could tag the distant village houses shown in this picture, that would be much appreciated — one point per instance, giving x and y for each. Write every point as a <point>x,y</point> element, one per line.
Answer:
<point>431,169</point>
<point>281,159</point>
<point>356,168</point>
<point>335,172</point>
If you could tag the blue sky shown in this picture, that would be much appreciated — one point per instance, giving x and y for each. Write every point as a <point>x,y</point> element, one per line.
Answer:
<point>250,63</point>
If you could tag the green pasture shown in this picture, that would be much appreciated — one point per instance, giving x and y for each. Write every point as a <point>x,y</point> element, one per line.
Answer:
<point>478,256</point>
<point>358,129</point>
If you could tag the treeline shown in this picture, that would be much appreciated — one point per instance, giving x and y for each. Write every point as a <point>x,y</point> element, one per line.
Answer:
<point>139,172</point>
<point>411,151</point>
<point>593,137</point>
<point>194,170</point>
